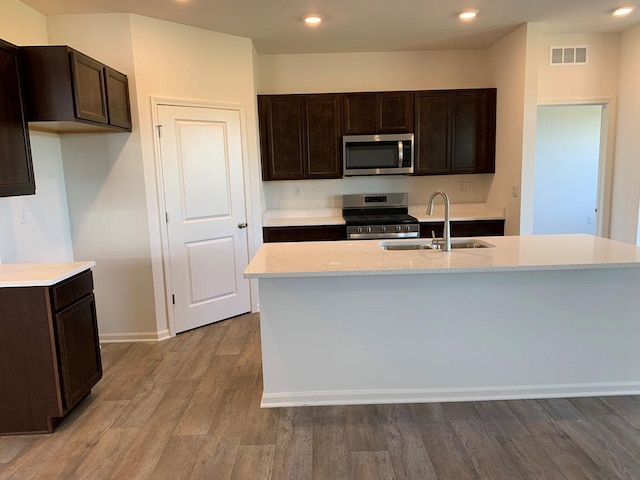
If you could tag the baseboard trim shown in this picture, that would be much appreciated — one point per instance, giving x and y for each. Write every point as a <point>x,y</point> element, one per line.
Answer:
<point>365,397</point>
<point>134,337</point>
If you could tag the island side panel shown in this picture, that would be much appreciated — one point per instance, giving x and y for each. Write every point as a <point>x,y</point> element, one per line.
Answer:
<point>474,336</point>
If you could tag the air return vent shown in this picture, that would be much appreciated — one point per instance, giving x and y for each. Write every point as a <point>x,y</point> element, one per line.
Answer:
<point>569,55</point>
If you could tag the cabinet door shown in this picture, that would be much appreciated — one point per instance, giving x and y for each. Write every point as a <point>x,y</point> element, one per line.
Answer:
<point>323,152</point>
<point>473,129</point>
<point>89,88</point>
<point>281,137</point>
<point>359,113</point>
<point>433,114</point>
<point>78,350</point>
<point>117,87</point>
<point>16,168</point>
<point>395,112</point>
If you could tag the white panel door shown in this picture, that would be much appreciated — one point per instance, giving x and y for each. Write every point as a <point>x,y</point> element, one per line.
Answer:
<point>201,151</point>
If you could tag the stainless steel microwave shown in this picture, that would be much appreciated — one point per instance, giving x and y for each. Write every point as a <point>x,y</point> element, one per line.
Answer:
<point>377,154</point>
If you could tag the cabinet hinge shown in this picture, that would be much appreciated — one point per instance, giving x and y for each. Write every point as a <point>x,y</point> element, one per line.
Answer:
<point>173,299</point>
<point>166,217</point>
<point>159,127</point>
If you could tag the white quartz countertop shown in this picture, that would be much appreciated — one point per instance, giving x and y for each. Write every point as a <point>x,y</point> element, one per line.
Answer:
<point>513,253</point>
<point>333,216</point>
<point>39,274</point>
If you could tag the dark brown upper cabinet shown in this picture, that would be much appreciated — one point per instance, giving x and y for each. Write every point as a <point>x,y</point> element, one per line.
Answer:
<point>16,167</point>
<point>300,136</point>
<point>68,91</point>
<point>381,112</point>
<point>455,131</point>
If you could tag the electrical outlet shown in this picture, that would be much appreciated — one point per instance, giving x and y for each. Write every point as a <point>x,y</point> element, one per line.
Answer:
<point>589,220</point>
<point>296,191</point>
<point>466,186</point>
<point>515,190</point>
<point>22,214</point>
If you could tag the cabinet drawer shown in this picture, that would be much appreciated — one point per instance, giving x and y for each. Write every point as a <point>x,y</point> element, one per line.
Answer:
<point>72,289</point>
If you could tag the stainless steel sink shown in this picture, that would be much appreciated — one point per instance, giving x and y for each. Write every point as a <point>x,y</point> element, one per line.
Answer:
<point>435,245</point>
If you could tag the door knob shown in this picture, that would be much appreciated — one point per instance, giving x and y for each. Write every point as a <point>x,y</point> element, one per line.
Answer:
<point>243,225</point>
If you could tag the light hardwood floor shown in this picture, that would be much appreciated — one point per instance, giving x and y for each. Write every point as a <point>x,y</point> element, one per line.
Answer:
<point>188,408</point>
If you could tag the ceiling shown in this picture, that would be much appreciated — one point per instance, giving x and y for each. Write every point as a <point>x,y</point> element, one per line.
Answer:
<point>364,25</point>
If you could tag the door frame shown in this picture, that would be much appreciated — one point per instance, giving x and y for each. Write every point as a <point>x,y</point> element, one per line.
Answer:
<point>606,156</point>
<point>162,281</point>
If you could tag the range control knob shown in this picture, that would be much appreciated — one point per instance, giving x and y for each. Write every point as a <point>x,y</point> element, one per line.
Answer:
<point>383,229</point>
<point>398,229</point>
<point>408,228</point>
<point>359,230</point>
<point>368,229</point>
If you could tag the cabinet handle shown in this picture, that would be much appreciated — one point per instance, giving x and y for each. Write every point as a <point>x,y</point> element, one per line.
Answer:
<point>243,225</point>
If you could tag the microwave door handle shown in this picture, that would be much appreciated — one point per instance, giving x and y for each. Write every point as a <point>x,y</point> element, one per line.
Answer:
<point>400,153</point>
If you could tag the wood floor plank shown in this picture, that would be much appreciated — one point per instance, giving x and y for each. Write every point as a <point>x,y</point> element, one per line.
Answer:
<point>591,407</point>
<point>236,335</point>
<point>146,449</point>
<point>534,418</point>
<point>428,412</point>
<point>200,412</point>
<point>448,456</point>
<point>260,427</point>
<point>570,459</point>
<point>187,341</point>
<point>12,446</point>
<point>486,454</point>
<point>253,462</point>
<point>363,430</point>
<point>627,407</point>
<point>530,459</point>
<point>330,457</point>
<point>371,465</point>
<point>178,459</point>
<point>248,367</point>
<point>500,418</point>
<point>560,409</point>
<point>407,452</point>
<point>293,456</point>
<point>81,441</point>
<point>142,406</point>
<point>216,459</point>
<point>230,417</point>
<point>104,459</point>
<point>604,449</point>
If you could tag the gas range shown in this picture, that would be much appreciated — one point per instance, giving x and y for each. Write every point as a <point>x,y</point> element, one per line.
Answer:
<point>385,215</point>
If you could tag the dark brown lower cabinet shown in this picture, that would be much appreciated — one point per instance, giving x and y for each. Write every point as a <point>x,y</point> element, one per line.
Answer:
<point>304,234</point>
<point>49,353</point>
<point>464,228</point>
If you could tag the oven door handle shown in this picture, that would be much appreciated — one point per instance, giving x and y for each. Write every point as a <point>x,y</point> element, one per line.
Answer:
<point>400,154</point>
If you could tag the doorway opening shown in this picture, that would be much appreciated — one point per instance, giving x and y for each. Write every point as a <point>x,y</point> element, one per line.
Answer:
<point>569,169</point>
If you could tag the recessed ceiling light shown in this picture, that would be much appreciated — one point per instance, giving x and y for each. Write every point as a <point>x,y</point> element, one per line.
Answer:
<point>621,11</point>
<point>313,20</point>
<point>468,14</point>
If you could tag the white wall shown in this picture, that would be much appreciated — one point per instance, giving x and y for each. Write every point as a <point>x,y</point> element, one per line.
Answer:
<point>594,83</point>
<point>596,80</point>
<point>566,178</point>
<point>45,236</point>
<point>353,72</point>
<point>626,183</point>
<point>105,184</point>
<point>509,61</point>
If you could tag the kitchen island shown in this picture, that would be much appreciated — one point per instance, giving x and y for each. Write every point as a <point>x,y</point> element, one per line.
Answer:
<point>532,317</point>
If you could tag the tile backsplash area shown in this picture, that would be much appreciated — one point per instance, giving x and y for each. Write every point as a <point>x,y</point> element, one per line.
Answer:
<point>295,194</point>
